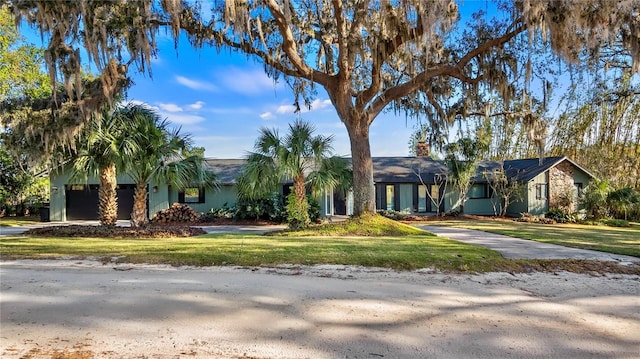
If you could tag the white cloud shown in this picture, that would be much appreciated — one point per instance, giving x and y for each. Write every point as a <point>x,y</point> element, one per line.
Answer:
<point>196,105</point>
<point>170,107</point>
<point>267,116</point>
<point>316,105</point>
<point>286,109</point>
<point>182,119</point>
<point>246,81</point>
<point>195,84</point>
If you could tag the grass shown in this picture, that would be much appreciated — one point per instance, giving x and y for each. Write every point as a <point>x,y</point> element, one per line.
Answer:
<point>619,240</point>
<point>370,242</point>
<point>18,221</point>
<point>402,253</point>
<point>366,225</point>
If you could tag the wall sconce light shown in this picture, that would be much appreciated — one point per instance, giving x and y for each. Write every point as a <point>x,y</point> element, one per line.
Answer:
<point>54,189</point>
<point>155,189</point>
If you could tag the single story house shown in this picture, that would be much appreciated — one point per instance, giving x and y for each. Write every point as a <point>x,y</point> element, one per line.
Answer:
<point>417,185</point>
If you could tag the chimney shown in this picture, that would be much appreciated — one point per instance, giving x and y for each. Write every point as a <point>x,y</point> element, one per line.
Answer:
<point>422,149</point>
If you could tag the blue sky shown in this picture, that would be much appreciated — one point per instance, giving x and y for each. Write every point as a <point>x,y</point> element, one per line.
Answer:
<point>223,99</point>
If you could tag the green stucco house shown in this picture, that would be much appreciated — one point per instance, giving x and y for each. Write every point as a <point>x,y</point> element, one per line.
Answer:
<point>416,185</point>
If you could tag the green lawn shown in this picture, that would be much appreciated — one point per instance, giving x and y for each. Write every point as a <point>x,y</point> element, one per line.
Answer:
<point>403,253</point>
<point>619,240</point>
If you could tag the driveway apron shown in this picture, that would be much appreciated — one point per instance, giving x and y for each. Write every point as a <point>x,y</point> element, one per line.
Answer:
<point>517,248</point>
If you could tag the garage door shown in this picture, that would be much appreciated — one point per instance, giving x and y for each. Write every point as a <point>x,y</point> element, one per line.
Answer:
<point>82,201</point>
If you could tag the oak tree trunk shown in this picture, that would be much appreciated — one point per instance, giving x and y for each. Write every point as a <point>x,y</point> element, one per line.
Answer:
<point>107,197</point>
<point>364,195</point>
<point>139,214</point>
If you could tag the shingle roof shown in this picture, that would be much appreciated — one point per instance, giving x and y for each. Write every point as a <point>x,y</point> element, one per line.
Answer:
<point>410,169</point>
<point>227,170</point>
<point>406,169</point>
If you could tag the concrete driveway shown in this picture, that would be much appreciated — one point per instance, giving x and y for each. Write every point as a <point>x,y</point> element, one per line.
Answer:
<point>517,248</point>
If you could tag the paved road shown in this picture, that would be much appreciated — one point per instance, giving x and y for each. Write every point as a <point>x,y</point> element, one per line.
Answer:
<point>515,248</point>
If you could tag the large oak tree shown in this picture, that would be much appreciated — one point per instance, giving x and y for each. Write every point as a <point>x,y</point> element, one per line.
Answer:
<point>368,55</point>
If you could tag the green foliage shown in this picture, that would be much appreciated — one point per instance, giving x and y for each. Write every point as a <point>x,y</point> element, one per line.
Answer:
<point>623,201</point>
<point>616,222</point>
<point>162,154</point>
<point>225,212</point>
<point>364,225</point>
<point>462,159</point>
<point>314,209</point>
<point>300,155</point>
<point>594,199</point>
<point>20,191</point>
<point>297,212</point>
<point>269,208</point>
<point>560,215</point>
<point>21,63</point>
<point>392,214</point>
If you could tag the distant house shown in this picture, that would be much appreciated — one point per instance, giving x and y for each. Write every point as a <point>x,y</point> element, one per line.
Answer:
<point>416,185</point>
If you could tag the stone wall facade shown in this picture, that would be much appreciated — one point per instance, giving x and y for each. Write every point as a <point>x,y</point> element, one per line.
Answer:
<point>561,187</point>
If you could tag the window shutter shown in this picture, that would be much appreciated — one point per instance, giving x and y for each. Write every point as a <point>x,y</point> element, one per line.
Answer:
<point>201,195</point>
<point>181,197</point>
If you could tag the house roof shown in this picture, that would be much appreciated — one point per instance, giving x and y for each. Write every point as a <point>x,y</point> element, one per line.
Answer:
<point>411,169</point>
<point>528,168</point>
<point>227,170</point>
<point>407,169</point>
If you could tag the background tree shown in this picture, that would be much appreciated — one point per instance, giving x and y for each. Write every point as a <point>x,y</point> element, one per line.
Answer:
<point>462,159</point>
<point>20,63</point>
<point>506,192</point>
<point>368,56</point>
<point>300,157</point>
<point>159,155</point>
<point>623,200</point>
<point>14,182</point>
<point>594,199</point>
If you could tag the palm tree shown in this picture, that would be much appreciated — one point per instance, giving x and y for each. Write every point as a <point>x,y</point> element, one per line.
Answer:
<point>300,157</point>
<point>102,147</point>
<point>159,157</point>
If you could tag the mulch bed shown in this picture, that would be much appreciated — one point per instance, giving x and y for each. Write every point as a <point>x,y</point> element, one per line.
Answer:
<point>151,231</point>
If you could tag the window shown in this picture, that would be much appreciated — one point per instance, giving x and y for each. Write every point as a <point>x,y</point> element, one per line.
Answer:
<point>422,198</point>
<point>191,195</point>
<point>390,197</point>
<point>541,191</point>
<point>479,191</point>
<point>327,202</point>
<point>435,196</point>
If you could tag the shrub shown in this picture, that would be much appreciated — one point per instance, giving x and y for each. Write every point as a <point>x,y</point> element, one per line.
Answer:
<point>314,209</point>
<point>530,218</point>
<point>616,222</point>
<point>559,215</point>
<point>269,208</point>
<point>594,199</point>
<point>623,201</point>
<point>297,212</point>
<point>225,212</point>
<point>392,214</point>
